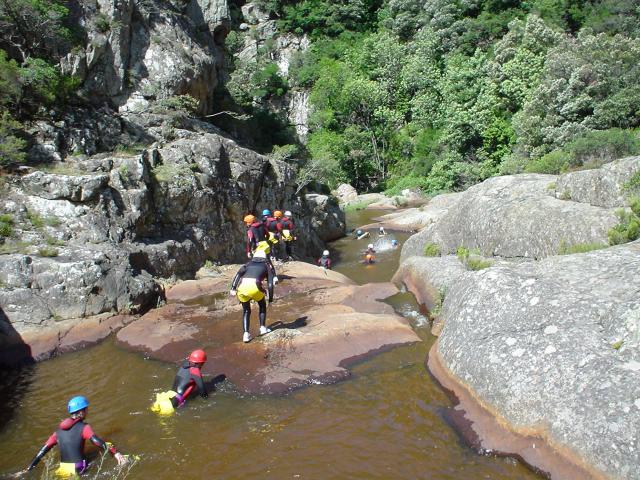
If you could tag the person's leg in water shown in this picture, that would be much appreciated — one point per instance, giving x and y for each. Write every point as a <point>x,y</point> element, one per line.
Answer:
<point>263,317</point>
<point>246,318</point>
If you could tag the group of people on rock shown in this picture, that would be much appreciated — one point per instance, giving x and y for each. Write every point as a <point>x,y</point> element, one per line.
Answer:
<point>275,231</point>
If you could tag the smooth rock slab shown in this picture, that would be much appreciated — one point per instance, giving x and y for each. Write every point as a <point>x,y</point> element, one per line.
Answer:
<point>320,326</point>
<point>553,348</point>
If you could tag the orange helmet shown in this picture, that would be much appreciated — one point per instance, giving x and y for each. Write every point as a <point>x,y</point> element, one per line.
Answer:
<point>198,356</point>
<point>277,214</point>
<point>249,219</point>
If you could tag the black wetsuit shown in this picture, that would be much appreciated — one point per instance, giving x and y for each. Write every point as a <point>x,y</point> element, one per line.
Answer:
<point>189,380</point>
<point>70,437</point>
<point>258,269</point>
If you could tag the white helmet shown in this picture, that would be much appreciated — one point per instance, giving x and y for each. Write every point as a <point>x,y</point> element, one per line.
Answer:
<point>370,245</point>
<point>325,253</point>
<point>287,213</point>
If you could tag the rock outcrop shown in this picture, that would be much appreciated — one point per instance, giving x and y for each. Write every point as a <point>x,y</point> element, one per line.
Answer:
<point>547,344</point>
<point>552,348</point>
<point>513,216</point>
<point>93,237</point>
<point>137,52</point>
<point>321,324</point>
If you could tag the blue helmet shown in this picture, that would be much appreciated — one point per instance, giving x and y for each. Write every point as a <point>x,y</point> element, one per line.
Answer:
<point>359,232</point>
<point>77,403</point>
<point>394,242</point>
<point>266,211</point>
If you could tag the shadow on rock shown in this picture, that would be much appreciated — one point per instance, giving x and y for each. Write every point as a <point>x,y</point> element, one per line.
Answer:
<point>297,323</point>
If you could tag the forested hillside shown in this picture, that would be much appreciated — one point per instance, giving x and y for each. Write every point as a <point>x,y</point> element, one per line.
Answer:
<point>444,94</point>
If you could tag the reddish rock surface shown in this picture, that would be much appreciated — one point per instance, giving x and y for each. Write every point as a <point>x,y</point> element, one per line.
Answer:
<point>321,323</point>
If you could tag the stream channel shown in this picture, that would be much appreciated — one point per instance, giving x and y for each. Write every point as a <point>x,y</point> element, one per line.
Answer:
<point>387,421</point>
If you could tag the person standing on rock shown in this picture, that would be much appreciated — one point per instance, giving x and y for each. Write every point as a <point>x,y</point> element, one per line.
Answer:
<point>256,235</point>
<point>247,285</point>
<point>324,261</point>
<point>70,438</point>
<point>286,229</point>
<point>271,222</point>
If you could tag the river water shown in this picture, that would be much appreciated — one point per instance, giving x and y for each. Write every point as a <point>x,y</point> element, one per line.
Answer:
<point>388,421</point>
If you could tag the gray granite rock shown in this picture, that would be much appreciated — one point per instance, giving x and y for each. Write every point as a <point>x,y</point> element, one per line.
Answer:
<point>554,347</point>
<point>513,216</point>
<point>602,187</point>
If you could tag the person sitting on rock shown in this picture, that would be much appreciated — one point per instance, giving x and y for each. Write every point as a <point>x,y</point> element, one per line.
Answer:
<point>248,285</point>
<point>286,229</point>
<point>325,261</point>
<point>70,438</point>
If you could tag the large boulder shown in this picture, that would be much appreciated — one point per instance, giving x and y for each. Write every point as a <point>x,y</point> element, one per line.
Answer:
<point>602,187</point>
<point>514,216</point>
<point>346,193</point>
<point>327,219</point>
<point>553,349</point>
<point>321,324</point>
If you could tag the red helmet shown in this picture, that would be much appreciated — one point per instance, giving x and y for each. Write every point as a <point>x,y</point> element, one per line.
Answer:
<point>198,356</point>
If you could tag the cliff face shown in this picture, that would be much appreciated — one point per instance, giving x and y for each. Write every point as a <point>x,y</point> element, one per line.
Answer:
<point>138,52</point>
<point>133,187</point>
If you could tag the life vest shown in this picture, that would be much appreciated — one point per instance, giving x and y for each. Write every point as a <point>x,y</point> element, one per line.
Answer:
<point>70,441</point>
<point>325,262</point>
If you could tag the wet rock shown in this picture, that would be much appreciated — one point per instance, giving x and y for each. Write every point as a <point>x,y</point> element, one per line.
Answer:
<point>513,216</point>
<point>552,347</point>
<point>320,326</point>
<point>602,187</point>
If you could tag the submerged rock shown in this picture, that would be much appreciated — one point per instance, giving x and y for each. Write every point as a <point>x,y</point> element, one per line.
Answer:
<point>321,324</point>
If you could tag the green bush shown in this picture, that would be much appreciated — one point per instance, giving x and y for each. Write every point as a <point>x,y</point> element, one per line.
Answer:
<point>431,250</point>
<point>48,252</point>
<point>596,148</point>
<point>463,254</point>
<point>51,241</point>
<point>628,228</point>
<point>6,226</point>
<point>268,82</point>
<point>180,103</point>
<point>568,249</point>
<point>554,163</point>
<point>475,263</point>
<point>633,185</point>
<point>36,219</point>
<point>11,147</point>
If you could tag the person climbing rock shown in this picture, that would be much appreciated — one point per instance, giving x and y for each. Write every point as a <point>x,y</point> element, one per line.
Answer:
<point>286,229</point>
<point>70,438</point>
<point>325,261</point>
<point>188,381</point>
<point>256,235</point>
<point>248,285</point>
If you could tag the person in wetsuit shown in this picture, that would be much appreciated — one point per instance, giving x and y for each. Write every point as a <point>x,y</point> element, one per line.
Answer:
<point>247,285</point>
<point>324,261</point>
<point>70,438</point>
<point>286,229</point>
<point>273,235</point>
<point>257,235</point>
<point>189,378</point>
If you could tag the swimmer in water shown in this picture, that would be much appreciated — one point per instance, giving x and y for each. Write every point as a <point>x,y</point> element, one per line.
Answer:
<point>70,438</point>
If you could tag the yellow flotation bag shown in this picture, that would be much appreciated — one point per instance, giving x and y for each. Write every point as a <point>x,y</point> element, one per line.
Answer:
<point>163,404</point>
<point>263,247</point>
<point>273,239</point>
<point>286,235</point>
<point>66,469</point>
